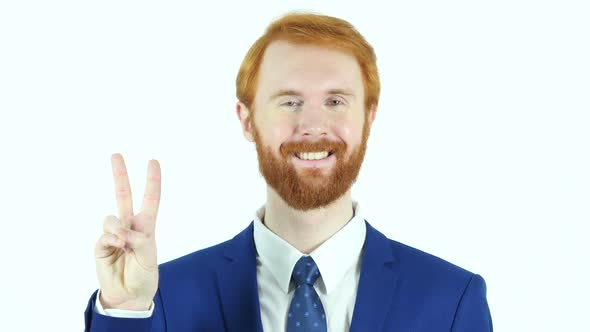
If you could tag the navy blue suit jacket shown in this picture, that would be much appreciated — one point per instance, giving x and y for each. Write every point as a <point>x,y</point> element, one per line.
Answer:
<point>401,289</point>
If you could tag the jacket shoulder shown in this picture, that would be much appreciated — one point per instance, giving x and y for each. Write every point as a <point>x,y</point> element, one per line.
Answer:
<point>427,272</point>
<point>419,260</point>
<point>433,289</point>
<point>200,261</point>
<point>415,262</point>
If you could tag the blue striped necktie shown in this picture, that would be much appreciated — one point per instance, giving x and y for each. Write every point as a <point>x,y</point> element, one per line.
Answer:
<point>306,312</point>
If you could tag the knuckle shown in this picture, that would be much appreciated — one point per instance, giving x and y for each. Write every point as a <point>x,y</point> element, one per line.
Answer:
<point>106,238</point>
<point>109,217</point>
<point>103,241</point>
<point>152,197</point>
<point>110,222</point>
<point>137,238</point>
<point>154,177</point>
<point>122,234</point>
<point>99,242</point>
<point>148,217</point>
<point>121,173</point>
<point>123,193</point>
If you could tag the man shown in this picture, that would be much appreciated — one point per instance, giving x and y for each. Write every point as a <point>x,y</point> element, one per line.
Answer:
<point>307,92</point>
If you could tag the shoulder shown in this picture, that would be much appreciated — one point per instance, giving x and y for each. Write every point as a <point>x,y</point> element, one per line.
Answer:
<point>206,261</point>
<point>202,261</point>
<point>419,261</point>
<point>428,284</point>
<point>426,270</point>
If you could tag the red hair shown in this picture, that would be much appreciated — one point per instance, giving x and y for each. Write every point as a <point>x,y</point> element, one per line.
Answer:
<point>313,29</point>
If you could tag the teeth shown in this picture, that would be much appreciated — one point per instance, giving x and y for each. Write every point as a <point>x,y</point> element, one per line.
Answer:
<point>312,155</point>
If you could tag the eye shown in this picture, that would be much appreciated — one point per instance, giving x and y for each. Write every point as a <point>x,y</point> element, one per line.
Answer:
<point>291,103</point>
<point>335,102</point>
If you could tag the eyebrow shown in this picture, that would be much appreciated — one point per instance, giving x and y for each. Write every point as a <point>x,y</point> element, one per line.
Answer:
<point>291,92</point>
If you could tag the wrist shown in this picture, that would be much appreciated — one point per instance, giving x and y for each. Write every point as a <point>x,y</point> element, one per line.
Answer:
<point>135,305</point>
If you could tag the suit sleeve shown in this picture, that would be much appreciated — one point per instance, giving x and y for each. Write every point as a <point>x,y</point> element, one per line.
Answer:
<point>473,312</point>
<point>95,322</point>
<point>122,313</point>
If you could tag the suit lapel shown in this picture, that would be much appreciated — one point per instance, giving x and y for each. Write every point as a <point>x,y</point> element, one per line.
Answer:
<point>377,283</point>
<point>238,286</point>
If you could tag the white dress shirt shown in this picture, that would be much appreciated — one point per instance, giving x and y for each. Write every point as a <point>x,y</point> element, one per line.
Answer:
<point>338,260</point>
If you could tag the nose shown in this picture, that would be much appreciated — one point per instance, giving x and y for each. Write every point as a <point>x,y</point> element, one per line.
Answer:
<point>312,122</point>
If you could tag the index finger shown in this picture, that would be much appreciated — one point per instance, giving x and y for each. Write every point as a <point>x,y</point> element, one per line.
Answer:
<point>122,188</point>
<point>151,197</point>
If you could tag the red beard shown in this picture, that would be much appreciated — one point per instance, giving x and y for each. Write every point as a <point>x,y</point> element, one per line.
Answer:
<point>310,188</point>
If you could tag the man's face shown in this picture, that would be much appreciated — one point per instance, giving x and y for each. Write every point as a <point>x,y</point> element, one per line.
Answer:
<point>309,99</point>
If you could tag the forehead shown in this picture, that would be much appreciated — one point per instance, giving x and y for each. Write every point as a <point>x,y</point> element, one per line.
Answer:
<point>287,65</point>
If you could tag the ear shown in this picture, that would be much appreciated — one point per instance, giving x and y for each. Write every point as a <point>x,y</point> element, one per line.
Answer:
<point>372,114</point>
<point>245,120</point>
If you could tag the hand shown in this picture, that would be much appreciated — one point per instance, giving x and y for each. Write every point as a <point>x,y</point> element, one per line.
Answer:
<point>125,254</point>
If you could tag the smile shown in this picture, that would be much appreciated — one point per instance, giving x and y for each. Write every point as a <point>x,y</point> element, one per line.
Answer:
<point>314,159</point>
<point>313,155</point>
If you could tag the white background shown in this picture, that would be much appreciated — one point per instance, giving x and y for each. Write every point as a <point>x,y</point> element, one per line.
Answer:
<point>480,153</point>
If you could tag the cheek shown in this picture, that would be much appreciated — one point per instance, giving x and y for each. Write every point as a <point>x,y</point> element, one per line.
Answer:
<point>350,131</point>
<point>273,134</point>
<point>280,131</point>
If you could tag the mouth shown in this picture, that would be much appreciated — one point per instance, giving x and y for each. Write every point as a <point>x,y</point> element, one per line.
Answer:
<point>313,155</point>
<point>313,159</point>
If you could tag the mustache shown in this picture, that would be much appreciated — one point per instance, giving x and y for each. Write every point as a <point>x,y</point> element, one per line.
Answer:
<point>297,147</point>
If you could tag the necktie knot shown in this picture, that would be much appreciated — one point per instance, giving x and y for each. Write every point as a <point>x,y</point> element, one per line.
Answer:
<point>306,312</point>
<point>305,271</point>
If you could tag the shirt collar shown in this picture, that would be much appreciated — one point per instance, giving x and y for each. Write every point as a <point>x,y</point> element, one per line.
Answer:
<point>333,257</point>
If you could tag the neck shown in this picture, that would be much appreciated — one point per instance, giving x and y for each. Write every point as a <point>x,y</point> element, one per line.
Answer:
<point>306,230</point>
